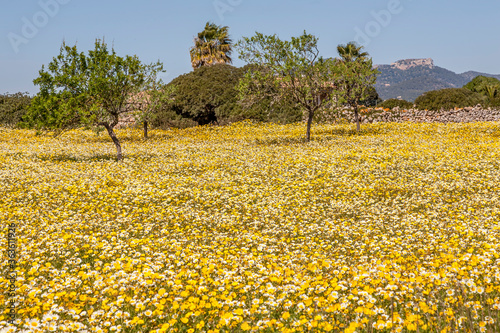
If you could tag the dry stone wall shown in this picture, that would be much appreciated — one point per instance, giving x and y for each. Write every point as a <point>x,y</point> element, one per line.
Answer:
<point>126,120</point>
<point>465,115</point>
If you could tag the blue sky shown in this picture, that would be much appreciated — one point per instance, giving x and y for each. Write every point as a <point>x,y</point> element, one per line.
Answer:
<point>459,35</point>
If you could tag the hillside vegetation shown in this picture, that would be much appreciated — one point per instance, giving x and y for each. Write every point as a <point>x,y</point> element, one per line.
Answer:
<point>448,99</point>
<point>411,81</point>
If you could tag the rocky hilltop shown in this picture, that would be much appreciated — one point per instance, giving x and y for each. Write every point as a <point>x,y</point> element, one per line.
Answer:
<point>410,63</point>
<point>409,78</point>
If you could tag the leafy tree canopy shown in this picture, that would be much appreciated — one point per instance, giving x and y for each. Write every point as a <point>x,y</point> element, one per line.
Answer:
<point>90,90</point>
<point>356,77</point>
<point>486,86</point>
<point>288,70</point>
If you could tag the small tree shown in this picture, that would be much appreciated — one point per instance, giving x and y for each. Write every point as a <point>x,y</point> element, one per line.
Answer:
<point>146,103</point>
<point>88,90</point>
<point>357,77</point>
<point>288,70</point>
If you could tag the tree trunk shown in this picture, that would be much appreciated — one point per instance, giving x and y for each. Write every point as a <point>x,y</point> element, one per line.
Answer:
<point>309,122</point>
<point>111,133</point>
<point>145,129</point>
<point>356,116</point>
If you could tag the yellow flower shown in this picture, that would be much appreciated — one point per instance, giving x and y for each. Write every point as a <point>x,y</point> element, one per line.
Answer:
<point>245,326</point>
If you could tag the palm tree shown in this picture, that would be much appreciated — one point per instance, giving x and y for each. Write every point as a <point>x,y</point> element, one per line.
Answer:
<point>491,90</point>
<point>350,52</point>
<point>211,46</point>
<point>352,57</point>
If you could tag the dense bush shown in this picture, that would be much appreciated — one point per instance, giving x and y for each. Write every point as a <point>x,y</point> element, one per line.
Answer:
<point>13,107</point>
<point>393,103</point>
<point>495,102</point>
<point>371,98</point>
<point>209,95</point>
<point>448,99</point>
<point>486,86</point>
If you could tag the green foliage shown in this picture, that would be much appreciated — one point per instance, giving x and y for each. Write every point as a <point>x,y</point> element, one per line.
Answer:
<point>356,77</point>
<point>413,82</point>
<point>212,46</point>
<point>209,95</point>
<point>351,52</point>
<point>287,71</point>
<point>394,103</point>
<point>13,108</point>
<point>206,95</point>
<point>370,98</point>
<point>354,81</point>
<point>88,90</point>
<point>495,102</point>
<point>486,86</point>
<point>448,99</point>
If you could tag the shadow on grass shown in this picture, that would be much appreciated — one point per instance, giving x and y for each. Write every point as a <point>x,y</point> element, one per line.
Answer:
<point>69,158</point>
<point>495,133</point>
<point>320,136</point>
<point>274,141</point>
<point>350,131</point>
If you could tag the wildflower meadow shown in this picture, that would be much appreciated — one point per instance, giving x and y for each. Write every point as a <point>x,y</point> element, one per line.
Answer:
<point>248,228</point>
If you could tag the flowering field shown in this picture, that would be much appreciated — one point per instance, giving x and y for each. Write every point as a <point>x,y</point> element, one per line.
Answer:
<point>248,228</point>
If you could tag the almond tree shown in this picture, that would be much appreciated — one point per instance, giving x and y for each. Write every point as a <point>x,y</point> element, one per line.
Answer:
<point>355,78</point>
<point>91,90</point>
<point>290,70</point>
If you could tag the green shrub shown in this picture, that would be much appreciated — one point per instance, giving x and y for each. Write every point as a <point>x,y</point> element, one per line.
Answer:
<point>13,107</point>
<point>488,87</point>
<point>393,103</point>
<point>494,103</point>
<point>371,98</point>
<point>209,95</point>
<point>448,99</point>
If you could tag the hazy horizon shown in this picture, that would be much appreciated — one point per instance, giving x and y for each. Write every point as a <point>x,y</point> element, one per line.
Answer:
<point>456,36</point>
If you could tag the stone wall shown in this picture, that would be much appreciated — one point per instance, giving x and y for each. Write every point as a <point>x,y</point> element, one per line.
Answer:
<point>126,120</point>
<point>465,115</point>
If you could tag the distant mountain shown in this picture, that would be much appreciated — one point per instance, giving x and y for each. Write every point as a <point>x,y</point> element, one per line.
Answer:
<point>410,78</point>
<point>471,74</point>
